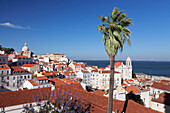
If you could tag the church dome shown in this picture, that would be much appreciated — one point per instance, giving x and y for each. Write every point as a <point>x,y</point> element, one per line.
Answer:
<point>25,48</point>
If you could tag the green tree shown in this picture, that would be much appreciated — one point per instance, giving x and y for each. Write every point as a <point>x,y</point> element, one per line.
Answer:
<point>115,34</point>
<point>133,75</point>
<point>7,50</point>
<point>136,98</point>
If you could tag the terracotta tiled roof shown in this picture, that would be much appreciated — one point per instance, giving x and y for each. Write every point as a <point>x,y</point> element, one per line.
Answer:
<point>133,107</point>
<point>77,86</point>
<point>108,65</point>
<point>132,88</point>
<point>69,81</point>
<point>124,84</point>
<point>28,65</point>
<point>10,60</point>
<point>98,103</point>
<point>32,82</point>
<point>19,57</point>
<point>94,99</point>
<point>76,64</point>
<point>99,92</point>
<point>42,78</point>
<point>130,80</point>
<point>101,68</point>
<point>58,82</point>
<point>161,86</point>
<point>21,97</point>
<point>94,70</point>
<point>163,98</point>
<point>104,71</point>
<point>17,68</point>
<point>41,58</point>
<point>4,66</point>
<point>164,81</point>
<point>117,64</point>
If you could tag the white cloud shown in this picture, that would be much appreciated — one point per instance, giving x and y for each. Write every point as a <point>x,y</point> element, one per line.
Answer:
<point>7,24</point>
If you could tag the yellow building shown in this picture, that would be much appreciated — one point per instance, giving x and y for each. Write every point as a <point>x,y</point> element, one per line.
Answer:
<point>53,56</point>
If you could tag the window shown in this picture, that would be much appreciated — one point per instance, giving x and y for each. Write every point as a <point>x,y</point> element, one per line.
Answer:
<point>157,104</point>
<point>2,78</point>
<point>7,77</point>
<point>7,72</point>
<point>13,78</point>
<point>25,77</point>
<point>2,73</point>
<point>13,84</point>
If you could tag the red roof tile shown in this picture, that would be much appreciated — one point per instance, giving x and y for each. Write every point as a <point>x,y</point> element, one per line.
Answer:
<point>98,103</point>
<point>163,98</point>
<point>124,84</point>
<point>10,60</point>
<point>19,57</point>
<point>94,70</point>
<point>161,86</point>
<point>99,92</point>
<point>28,65</point>
<point>132,88</point>
<point>17,68</point>
<point>32,82</point>
<point>58,82</point>
<point>21,97</point>
<point>77,86</point>
<point>133,107</point>
<point>4,66</point>
<point>117,64</point>
<point>42,78</point>
<point>105,71</point>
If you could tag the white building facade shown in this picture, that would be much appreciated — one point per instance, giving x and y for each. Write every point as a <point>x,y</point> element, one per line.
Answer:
<point>3,59</point>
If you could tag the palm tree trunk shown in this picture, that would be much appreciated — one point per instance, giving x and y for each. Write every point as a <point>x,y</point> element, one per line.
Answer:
<point>111,84</point>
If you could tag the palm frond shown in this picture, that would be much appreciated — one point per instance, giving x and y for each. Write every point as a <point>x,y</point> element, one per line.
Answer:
<point>114,31</point>
<point>122,16</point>
<point>114,12</point>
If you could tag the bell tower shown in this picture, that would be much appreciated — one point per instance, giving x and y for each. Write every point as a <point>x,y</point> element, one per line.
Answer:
<point>129,67</point>
<point>128,62</point>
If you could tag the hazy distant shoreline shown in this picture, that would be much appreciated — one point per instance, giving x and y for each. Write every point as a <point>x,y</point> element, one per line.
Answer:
<point>155,68</point>
<point>132,61</point>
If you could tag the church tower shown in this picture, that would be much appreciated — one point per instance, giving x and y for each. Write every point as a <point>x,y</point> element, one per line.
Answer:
<point>128,62</point>
<point>129,66</point>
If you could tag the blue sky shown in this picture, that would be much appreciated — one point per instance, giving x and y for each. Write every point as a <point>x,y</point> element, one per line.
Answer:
<point>70,27</point>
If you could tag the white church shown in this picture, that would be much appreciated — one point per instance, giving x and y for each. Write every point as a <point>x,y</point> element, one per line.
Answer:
<point>124,69</point>
<point>100,77</point>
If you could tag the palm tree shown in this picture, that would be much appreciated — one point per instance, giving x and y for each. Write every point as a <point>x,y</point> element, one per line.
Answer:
<point>115,34</point>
